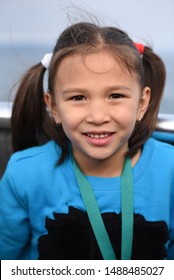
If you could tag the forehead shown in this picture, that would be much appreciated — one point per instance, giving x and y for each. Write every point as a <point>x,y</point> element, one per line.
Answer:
<point>92,65</point>
<point>100,62</point>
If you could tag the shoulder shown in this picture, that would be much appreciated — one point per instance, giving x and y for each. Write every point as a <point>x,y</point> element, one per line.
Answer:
<point>31,167</point>
<point>34,172</point>
<point>155,167</point>
<point>35,160</point>
<point>160,146</point>
<point>50,149</point>
<point>159,151</point>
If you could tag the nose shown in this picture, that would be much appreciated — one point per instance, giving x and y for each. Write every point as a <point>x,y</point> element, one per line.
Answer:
<point>98,112</point>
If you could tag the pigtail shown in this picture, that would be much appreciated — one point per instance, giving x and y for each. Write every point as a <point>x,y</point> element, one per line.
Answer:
<point>31,123</point>
<point>154,78</point>
<point>28,110</point>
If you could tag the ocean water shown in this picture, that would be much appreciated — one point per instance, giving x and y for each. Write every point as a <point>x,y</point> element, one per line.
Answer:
<point>15,60</point>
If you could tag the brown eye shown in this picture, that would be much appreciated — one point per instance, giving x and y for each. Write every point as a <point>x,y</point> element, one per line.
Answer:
<point>116,95</point>
<point>78,98</point>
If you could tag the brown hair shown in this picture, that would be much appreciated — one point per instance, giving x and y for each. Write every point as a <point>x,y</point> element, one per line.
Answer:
<point>31,122</point>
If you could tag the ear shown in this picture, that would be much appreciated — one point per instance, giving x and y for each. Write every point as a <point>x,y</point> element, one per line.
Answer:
<point>51,107</point>
<point>144,103</point>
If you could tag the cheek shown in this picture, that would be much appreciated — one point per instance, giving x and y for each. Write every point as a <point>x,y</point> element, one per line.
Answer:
<point>127,115</point>
<point>65,113</point>
<point>70,120</point>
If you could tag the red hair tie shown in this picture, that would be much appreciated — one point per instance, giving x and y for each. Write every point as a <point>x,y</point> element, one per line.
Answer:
<point>139,47</point>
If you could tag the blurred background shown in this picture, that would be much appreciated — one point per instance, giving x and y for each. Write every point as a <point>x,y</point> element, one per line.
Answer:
<point>29,29</point>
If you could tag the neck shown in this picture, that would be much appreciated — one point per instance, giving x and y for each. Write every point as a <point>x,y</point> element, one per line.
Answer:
<point>110,167</point>
<point>102,168</point>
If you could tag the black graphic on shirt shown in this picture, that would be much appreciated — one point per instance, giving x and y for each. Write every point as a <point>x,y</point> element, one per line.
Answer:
<point>70,237</point>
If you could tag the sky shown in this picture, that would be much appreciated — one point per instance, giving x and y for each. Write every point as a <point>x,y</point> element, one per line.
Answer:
<point>42,20</point>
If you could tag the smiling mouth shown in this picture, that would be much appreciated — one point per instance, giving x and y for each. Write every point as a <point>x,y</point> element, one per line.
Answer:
<point>98,138</point>
<point>99,135</point>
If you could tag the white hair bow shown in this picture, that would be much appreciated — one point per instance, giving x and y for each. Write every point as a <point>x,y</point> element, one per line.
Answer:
<point>46,60</point>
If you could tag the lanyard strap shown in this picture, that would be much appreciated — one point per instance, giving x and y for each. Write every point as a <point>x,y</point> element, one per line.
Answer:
<point>96,220</point>
<point>94,215</point>
<point>127,210</point>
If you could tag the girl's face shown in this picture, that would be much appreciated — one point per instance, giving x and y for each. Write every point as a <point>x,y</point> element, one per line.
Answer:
<point>98,103</point>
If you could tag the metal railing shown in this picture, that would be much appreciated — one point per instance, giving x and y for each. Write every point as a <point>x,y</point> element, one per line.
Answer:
<point>5,114</point>
<point>165,123</point>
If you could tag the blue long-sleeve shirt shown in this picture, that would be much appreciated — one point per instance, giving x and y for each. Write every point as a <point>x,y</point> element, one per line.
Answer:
<point>35,191</point>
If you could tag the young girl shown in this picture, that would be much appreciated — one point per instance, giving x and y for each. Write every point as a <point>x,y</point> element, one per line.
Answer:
<point>101,188</point>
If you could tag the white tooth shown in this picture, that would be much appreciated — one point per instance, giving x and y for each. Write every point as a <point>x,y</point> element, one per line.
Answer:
<point>103,135</point>
<point>91,135</point>
<point>97,136</point>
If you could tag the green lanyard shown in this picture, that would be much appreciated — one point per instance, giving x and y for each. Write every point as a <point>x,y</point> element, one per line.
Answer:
<point>96,220</point>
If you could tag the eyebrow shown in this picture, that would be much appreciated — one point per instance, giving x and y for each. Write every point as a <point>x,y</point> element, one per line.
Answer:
<point>118,87</point>
<point>70,90</point>
<point>82,90</point>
